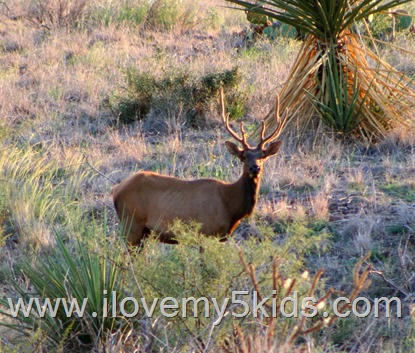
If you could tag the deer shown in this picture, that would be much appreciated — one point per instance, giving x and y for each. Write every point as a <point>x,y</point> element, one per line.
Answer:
<point>148,201</point>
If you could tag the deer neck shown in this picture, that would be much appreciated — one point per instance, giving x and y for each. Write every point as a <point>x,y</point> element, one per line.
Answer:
<point>244,195</point>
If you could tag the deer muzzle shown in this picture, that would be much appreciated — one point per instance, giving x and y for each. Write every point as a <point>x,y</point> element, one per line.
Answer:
<point>254,170</point>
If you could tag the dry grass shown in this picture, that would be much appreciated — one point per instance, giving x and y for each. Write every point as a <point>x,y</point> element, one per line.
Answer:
<point>58,88</point>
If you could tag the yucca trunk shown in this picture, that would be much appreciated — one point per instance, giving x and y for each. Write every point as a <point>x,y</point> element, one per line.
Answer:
<point>331,79</point>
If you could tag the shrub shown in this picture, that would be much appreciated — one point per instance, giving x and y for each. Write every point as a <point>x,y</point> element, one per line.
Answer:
<point>203,267</point>
<point>57,14</point>
<point>381,25</point>
<point>178,94</point>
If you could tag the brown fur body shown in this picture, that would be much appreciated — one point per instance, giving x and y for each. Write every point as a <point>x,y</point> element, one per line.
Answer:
<point>148,201</point>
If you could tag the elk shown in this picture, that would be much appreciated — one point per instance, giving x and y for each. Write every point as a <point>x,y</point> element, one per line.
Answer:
<point>148,201</point>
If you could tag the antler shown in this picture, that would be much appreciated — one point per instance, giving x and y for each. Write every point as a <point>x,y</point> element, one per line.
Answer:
<point>277,131</point>
<point>225,120</point>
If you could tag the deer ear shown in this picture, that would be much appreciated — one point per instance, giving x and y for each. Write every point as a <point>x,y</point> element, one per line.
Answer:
<point>233,149</point>
<point>272,149</point>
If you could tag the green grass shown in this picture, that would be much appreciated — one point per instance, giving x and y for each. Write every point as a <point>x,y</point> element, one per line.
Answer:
<point>121,14</point>
<point>401,190</point>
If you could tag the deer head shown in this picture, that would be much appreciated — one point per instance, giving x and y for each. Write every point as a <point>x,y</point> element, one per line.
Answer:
<point>253,158</point>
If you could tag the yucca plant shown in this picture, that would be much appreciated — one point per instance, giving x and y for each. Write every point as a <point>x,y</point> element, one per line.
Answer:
<point>61,303</point>
<point>332,75</point>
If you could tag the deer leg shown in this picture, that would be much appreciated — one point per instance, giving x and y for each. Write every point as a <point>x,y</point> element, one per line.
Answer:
<point>135,233</point>
<point>167,238</point>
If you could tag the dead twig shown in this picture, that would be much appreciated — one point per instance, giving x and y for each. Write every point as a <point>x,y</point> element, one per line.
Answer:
<point>389,282</point>
<point>97,171</point>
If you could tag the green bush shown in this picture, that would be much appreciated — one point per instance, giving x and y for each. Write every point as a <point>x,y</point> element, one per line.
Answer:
<point>381,25</point>
<point>178,94</point>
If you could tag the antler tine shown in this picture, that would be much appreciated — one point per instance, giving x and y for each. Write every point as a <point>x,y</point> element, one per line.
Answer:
<point>244,142</point>
<point>280,125</point>
<point>225,120</point>
<point>262,130</point>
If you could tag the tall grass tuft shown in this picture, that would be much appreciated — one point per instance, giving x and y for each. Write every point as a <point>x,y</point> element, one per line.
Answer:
<point>168,14</point>
<point>39,193</point>
<point>119,13</point>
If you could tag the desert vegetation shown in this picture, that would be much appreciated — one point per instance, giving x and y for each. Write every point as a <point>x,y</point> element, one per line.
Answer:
<point>351,96</point>
<point>95,90</point>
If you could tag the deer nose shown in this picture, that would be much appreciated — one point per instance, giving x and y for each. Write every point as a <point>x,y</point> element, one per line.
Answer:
<point>254,169</point>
